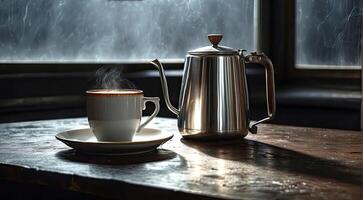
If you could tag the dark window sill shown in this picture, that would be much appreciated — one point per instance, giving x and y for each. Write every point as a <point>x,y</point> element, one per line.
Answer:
<point>40,97</point>
<point>322,97</point>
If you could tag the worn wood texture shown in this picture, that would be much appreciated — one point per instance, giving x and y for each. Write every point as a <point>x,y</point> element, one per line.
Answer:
<point>280,162</point>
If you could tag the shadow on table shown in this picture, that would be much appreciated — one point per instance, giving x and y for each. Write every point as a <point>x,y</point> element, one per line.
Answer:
<point>280,159</point>
<point>154,156</point>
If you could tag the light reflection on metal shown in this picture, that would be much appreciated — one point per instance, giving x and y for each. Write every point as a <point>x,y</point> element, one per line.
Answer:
<point>214,99</point>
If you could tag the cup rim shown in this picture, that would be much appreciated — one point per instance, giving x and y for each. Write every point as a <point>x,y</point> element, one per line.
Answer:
<point>117,92</point>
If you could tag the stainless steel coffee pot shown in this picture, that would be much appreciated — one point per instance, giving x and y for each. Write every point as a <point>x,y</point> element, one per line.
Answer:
<point>214,98</point>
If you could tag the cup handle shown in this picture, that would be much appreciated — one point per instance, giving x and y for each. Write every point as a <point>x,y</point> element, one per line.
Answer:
<point>154,100</point>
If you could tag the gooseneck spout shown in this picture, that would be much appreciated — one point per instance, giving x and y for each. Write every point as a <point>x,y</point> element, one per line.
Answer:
<point>164,86</point>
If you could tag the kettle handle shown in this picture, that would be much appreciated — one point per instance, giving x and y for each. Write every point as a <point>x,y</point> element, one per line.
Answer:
<point>261,58</point>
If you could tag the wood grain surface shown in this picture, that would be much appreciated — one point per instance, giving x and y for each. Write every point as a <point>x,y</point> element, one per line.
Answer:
<point>280,162</point>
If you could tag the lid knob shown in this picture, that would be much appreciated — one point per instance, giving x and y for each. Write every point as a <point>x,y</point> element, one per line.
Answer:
<point>215,38</point>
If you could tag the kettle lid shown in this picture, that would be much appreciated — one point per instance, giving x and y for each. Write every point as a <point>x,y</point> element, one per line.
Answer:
<point>215,49</point>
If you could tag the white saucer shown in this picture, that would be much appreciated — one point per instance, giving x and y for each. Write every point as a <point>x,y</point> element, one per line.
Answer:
<point>84,141</point>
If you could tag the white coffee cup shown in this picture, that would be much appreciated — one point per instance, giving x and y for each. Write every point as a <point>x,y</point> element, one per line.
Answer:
<point>115,115</point>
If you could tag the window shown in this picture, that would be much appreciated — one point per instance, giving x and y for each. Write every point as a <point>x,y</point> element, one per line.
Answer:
<point>114,30</point>
<point>328,34</point>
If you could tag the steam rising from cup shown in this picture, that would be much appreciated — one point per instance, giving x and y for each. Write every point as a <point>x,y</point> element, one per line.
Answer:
<point>110,77</point>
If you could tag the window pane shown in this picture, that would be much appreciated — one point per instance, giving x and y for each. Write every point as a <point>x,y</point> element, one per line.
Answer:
<point>328,34</point>
<point>111,30</point>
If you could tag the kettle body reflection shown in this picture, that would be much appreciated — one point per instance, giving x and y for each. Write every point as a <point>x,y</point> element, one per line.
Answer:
<point>213,100</point>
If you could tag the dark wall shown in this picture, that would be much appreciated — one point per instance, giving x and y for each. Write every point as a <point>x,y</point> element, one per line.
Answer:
<point>33,96</point>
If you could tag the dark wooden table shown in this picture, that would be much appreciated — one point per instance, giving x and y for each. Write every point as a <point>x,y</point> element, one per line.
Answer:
<point>280,162</point>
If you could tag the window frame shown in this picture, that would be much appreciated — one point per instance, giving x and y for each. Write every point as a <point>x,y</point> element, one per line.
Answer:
<point>275,26</point>
<point>276,18</point>
<point>290,70</point>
